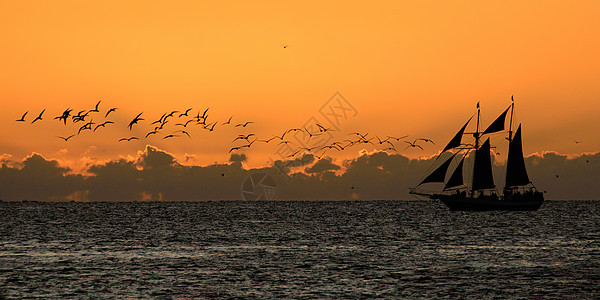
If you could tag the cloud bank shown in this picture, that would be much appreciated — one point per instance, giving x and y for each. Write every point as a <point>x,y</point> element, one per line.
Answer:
<point>156,175</point>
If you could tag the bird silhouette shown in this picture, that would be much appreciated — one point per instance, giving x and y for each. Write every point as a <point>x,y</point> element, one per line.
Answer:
<point>243,137</point>
<point>228,121</point>
<point>135,120</point>
<point>398,138</point>
<point>426,141</point>
<point>184,132</point>
<point>38,118</point>
<point>96,108</point>
<point>151,133</point>
<point>185,113</point>
<point>66,138</point>
<point>210,127</point>
<point>413,145</point>
<point>22,119</point>
<point>159,120</point>
<point>243,124</point>
<point>322,128</point>
<point>110,110</point>
<point>184,124</point>
<point>170,136</point>
<point>128,139</point>
<point>103,124</point>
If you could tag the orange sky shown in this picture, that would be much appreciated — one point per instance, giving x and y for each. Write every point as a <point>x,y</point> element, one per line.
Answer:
<point>414,68</point>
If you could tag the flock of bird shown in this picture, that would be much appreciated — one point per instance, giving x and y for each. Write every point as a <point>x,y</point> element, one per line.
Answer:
<point>182,121</point>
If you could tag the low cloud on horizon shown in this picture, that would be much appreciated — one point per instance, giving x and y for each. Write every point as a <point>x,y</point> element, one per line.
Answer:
<point>158,176</point>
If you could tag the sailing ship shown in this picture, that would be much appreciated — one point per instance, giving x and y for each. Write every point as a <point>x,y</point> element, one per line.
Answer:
<point>480,193</point>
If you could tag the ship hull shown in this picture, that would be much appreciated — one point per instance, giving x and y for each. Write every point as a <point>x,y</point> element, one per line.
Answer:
<point>455,203</point>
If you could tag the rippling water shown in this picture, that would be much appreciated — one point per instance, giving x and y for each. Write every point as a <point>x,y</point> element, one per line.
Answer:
<point>389,249</point>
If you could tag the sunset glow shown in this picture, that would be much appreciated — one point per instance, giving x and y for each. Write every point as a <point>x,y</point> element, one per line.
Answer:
<point>407,68</point>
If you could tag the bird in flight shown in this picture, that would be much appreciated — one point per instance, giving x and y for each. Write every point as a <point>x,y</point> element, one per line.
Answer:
<point>184,132</point>
<point>397,138</point>
<point>285,46</point>
<point>96,108</point>
<point>577,142</point>
<point>38,117</point>
<point>413,144</point>
<point>228,121</point>
<point>426,141</point>
<point>150,133</point>
<point>170,136</point>
<point>103,124</point>
<point>243,137</point>
<point>243,124</point>
<point>66,138</point>
<point>135,120</point>
<point>110,110</point>
<point>65,115</point>
<point>128,139</point>
<point>22,119</point>
<point>185,113</point>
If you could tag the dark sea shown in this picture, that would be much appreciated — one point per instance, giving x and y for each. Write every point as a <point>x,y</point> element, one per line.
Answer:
<point>299,250</point>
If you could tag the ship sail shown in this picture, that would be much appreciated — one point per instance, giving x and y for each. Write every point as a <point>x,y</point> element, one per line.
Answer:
<point>456,140</point>
<point>482,170</point>
<point>498,124</point>
<point>440,173</point>
<point>516,174</point>
<point>456,179</point>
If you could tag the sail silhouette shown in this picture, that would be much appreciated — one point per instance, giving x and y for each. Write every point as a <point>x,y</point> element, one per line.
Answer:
<point>516,174</point>
<point>498,124</point>
<point>456,179</point>
<point>439,175</point>
<point>482,169</point>
<point>457,139</point>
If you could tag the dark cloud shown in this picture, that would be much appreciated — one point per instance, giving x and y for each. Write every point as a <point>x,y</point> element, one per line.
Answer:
<point>238,157</point>
<point>37,179</point>
<point>156,175</point>
<point>322,165</point>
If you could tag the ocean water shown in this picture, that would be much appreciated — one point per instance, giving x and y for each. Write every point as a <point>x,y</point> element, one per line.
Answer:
<point>280,249</point>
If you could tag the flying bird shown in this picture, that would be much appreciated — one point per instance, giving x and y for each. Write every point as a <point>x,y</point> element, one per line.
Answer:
<point>66,138</point>
<point>243,124</point>
<point>426,141</point>
<point>110,110</point>
<point>170,136</point>
<point>103,124</point>
<point>128,139</point>
<point>185,113</point>
<point>228,121</point>
<point>150,133</point>
<point>22,119</point>
<point>243,137</point>
<point>38,117</point>
<point>397,138</point>
<point>135,120</point>
<point>96,108</point>
<point>184,132</point>
<point>65,115</point>
<point>413,144</point>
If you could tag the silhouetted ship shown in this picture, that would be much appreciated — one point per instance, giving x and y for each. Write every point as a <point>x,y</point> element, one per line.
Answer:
<point>518,193</point>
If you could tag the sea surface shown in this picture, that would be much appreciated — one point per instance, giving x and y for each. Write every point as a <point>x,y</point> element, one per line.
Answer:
<point>300,250</point>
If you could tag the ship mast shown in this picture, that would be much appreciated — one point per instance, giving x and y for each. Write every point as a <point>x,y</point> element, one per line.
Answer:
<point>512,107</point>
<point>476,135</point>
